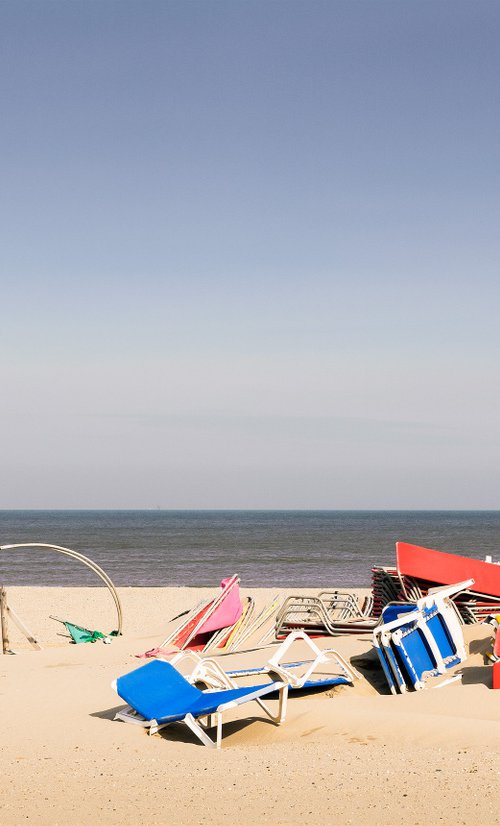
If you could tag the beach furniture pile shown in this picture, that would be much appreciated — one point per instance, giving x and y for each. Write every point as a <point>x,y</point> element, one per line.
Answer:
<point>221,623</point>
<point>330,612</point>
<point>418,570</point>
<point>415,613</point>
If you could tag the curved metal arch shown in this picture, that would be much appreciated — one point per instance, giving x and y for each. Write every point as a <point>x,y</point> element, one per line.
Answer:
<point>81,558</point>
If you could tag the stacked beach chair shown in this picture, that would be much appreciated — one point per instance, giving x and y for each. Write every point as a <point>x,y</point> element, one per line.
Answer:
<point>419,570</point>
<point>211,623</point>
<point>427,568</point>
<point>221,624</point>
<point>418,642</point>
<point>328,613</point>
<point>389,586</point>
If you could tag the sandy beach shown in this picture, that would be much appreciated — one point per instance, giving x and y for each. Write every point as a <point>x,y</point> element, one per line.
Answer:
<point>250,284</point>
<point>347,755</point>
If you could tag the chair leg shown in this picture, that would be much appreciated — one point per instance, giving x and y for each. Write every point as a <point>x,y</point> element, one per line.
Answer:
<point>219,730</point>
<point>280,716</point>
<point>202,735</point>
<point>283,700</point>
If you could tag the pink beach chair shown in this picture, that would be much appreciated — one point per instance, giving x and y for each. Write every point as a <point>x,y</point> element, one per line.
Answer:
<point>206,619</point>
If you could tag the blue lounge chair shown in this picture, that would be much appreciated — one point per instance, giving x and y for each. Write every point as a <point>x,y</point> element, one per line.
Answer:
<point>158,695</point>
<point>392,616</point>
<point>417,642</point>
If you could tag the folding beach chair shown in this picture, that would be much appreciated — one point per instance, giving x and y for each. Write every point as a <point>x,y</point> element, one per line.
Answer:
<point>199,626</point>
<point>260,628</point>
<point>430,568</point>
<point>226,638</point>
<point>422,640</point>
<point>158,695</point>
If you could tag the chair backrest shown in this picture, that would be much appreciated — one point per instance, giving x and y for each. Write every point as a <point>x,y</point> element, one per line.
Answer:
<point>229,609</point>
<point>156,685</point>
<point>393,610</point>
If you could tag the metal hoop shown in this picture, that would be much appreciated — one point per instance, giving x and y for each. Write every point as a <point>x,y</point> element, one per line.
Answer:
<point>81,558</point>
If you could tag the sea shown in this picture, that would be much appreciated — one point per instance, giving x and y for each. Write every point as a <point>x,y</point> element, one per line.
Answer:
<point>290,549</point>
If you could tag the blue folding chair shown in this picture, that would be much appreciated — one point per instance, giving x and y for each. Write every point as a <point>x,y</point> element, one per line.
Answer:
<point>420,641</point>
<point>158,695</point>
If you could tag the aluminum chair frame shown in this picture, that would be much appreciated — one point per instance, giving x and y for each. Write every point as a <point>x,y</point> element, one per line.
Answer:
<point>330,612</point>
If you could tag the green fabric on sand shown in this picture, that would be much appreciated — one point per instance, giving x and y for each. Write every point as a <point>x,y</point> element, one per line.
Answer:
<point>80,634</point>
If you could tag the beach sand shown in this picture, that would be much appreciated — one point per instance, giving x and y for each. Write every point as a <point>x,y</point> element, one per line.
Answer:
<point>348,755</point>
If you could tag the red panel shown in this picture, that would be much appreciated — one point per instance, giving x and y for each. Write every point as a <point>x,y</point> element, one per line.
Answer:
<point>496,643</point>
<point>446,569</point>
<point>496,675</point>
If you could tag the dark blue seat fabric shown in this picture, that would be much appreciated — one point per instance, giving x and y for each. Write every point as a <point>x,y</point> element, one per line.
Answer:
<point>312,682</point>
<point>393,610</point>
<point>159,692</point>
<point>416,652</point>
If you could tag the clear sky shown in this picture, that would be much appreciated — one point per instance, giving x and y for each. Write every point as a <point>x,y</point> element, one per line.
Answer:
<point>250,254</point>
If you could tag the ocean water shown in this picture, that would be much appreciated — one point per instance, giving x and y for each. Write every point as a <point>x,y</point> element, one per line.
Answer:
<point>266,548</point>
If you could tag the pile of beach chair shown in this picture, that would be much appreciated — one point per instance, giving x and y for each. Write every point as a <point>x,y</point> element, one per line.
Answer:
<point>418,570</point>
<point>415,614</point>
<point>330,613</point>
<point>223,623</point>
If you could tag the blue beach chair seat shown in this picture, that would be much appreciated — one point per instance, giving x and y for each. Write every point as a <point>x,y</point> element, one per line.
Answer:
<point>315,682</point>
<point>326,682</point>
<point>158,695</point>
<point>394,610</point>
<point>426,646</point>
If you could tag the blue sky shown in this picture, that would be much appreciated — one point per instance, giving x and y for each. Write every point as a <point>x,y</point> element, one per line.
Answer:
<point>250,254</point>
